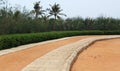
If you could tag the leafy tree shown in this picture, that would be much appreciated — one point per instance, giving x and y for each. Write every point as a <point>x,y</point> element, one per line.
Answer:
<point>55,11</point>
<point>38,10</point>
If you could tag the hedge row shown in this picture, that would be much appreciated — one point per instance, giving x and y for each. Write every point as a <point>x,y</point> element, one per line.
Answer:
<point>8,41</point>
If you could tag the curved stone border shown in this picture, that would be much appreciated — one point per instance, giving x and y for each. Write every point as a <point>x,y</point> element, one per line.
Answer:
<point>61,58</point>
<point>14,49</point>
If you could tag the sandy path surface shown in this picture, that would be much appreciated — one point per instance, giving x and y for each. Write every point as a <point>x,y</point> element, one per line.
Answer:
<point>17,60</point>
<point>101,56</point>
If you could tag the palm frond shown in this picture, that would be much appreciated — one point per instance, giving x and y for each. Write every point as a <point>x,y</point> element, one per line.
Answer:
<point>62,14</point>
<point>49,15</point>
<point>58,17</point>
<point>55,11</point>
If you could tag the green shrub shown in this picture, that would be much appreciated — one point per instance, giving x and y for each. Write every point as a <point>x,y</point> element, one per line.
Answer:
<point>8,41</point>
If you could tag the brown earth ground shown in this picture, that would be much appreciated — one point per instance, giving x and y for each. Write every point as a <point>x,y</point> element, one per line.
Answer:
<point>18,60</point>
<point>101,56</point>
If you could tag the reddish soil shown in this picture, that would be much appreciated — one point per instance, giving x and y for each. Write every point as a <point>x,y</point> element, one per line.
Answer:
<point>18,60</point>
<point>101,56</point>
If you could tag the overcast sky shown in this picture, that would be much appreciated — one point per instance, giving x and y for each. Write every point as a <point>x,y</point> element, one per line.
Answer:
<point>82,8</point>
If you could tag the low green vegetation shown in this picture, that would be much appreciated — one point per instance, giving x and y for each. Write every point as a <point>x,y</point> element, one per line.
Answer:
<point>8,41</point>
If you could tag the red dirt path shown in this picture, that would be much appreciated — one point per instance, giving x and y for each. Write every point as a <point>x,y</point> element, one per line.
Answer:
<point>101,56</point>
<point>18,60</point>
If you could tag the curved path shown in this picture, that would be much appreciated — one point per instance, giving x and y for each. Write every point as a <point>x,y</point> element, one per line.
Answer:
<point>15,61</point>
<point>50,56</point>
<point>101,56</point>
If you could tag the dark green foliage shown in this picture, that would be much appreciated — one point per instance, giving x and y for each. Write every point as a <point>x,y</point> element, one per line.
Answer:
<point>55,11</point>
<point>8,41</point>
<point>15,21</point>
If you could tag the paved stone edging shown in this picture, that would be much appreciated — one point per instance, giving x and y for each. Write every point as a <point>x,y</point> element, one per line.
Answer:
<point>61,58</point>
<point>11,50</point>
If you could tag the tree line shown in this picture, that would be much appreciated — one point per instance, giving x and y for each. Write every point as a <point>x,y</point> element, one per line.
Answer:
<point>13,20</point>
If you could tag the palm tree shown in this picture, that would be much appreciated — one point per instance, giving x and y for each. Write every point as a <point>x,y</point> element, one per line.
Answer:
<point>55,11</point>
<point>38,10</point>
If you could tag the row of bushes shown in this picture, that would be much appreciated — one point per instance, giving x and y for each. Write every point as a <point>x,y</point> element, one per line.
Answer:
<point>8,41</point>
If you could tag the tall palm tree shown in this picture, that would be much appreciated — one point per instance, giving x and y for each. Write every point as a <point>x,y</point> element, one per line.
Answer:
<point>55,11</point>
<point>38,10</point>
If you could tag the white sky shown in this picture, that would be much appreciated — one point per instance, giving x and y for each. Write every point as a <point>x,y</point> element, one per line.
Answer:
<point>82,8</point>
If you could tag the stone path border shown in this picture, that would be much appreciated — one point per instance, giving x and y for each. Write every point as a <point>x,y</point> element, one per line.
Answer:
<point>22,47</point>
<point>62,58</point>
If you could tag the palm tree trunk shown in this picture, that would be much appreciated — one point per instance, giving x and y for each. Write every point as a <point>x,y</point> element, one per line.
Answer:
<point>54,27</point>
<point>55,17</point>
<point>36,16</point>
